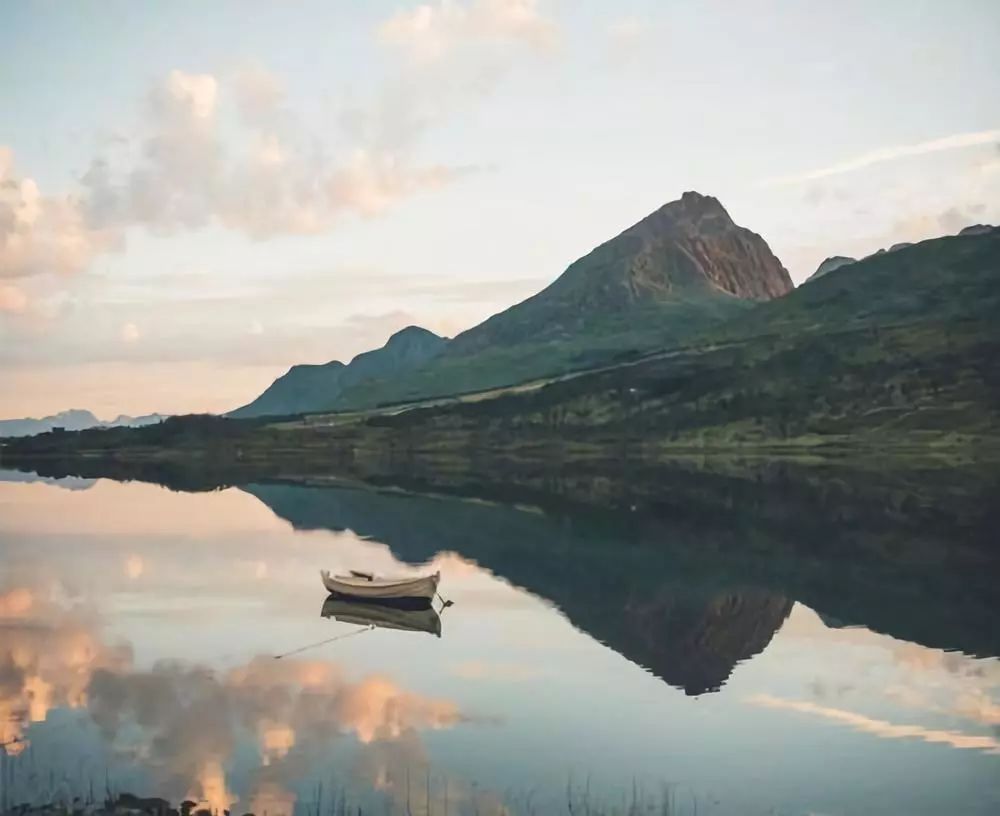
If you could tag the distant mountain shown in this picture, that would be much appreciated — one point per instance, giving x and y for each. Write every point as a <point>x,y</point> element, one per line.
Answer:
<point>72,420</point>
<point>831,263</point>
<point>685,266</point>
<point>837,261</point>
<point>307,388</point>
<point>978,229</point>
<point>126,421</point>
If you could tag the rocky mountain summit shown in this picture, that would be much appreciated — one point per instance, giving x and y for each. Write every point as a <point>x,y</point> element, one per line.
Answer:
<point>688,250</point>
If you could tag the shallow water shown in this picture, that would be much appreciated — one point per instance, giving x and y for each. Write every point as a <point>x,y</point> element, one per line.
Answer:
<point>728,663</point>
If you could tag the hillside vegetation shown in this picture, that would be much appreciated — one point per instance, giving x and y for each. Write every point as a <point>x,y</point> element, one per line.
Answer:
<point>680,269</point>
<point>896,345</point>
<point>899,350</point>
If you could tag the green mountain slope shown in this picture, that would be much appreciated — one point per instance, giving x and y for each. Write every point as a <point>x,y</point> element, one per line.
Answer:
<point>899,346</point>
<point>306,388</point>
<point>680,269</point>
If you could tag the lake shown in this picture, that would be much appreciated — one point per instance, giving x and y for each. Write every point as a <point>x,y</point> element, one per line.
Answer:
<point>714,642</point>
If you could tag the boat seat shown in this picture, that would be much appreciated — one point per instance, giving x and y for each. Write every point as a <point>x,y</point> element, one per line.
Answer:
<point>366,575</point>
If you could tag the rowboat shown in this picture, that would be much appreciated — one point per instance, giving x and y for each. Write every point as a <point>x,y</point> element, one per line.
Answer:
<point>371,613</point>
<point>362,586</point>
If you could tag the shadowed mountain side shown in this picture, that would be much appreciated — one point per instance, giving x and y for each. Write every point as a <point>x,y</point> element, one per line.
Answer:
<point>900,345</point>
<point>307,388</point>
<point>905,548</point>
<point>691,636</point>
<point>911,554</point>
<point>687,248</point>
<point>693,642</point>
<point>680,269</point>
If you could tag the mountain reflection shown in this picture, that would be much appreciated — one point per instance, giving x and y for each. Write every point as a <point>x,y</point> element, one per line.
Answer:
<point>138,628</point>
<point>701,567</point>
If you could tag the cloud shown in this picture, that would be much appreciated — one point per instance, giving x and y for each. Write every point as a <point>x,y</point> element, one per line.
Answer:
<point>48,655</point>
<point>12,300</point>
<point>227,151</point>
<point>433,31</point>
<point>130,333</point>
<point>502,672</point>
<point>184,722</point>
<point>625,35</point>
<point>921,226</point>
<point>259,95</point>
<point>371,183</point>
<point>186,175</point>
<point>42,234</point>
<point>955,141</point>
<point>881,728</point>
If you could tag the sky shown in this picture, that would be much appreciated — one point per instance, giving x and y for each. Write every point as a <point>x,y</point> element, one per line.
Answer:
<point>194,197</point>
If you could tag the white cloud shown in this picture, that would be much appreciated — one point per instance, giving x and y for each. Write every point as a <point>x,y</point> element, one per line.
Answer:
<point>371,183</point>
<point>197,166</point>
<point>881,728</point>
<point>42,234</point>
<point>258,93</point>
<point>130,333</point>
<point>12,300</point>
<point>955,141</point>
<point>186,95</point>
<point>433,31</point>
<point>624,37</point>
<point>990,167</point>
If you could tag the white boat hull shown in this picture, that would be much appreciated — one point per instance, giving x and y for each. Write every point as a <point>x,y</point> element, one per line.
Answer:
<point>422,588</point>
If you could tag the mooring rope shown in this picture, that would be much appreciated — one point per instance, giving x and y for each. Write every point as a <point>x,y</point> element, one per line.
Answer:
<point>323,642</point>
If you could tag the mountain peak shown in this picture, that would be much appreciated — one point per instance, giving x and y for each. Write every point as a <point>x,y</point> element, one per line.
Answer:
<point>688,255</point>
<point>694,244</point>
<point>314,388</point>
<point>831,263</point>
<point>411,334</point>
<point>692,212</point>
<point>692,199</point>
<point>977,229</point>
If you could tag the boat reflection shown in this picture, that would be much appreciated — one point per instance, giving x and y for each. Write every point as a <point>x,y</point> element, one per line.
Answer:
<point>383,616</point>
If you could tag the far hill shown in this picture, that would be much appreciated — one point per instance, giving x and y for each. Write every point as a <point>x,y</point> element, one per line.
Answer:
<point>306,388</point>
<point>677,271</point>
<point>830,264</point>
<point>74,419</point>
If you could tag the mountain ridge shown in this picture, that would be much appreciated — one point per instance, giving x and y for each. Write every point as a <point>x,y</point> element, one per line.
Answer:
<point>681,268</point>
<point>72,419</point>
<point>315,387</point>
<point>663,255</point>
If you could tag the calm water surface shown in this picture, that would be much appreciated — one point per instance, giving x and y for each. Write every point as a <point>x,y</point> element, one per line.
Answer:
<point>595,659</point>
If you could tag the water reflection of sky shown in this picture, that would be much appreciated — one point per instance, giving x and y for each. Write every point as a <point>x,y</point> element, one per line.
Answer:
<point>138,625</point>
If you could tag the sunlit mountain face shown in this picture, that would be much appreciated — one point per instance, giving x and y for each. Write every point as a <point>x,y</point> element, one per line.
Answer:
<point>173,644</point>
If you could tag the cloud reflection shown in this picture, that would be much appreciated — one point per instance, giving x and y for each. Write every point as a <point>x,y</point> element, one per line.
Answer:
<point>48,655</point>
<point>184,723</point>
<point>880,728</point>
